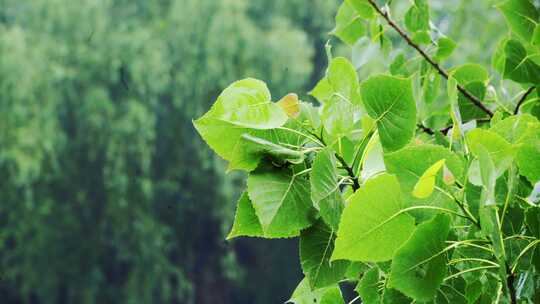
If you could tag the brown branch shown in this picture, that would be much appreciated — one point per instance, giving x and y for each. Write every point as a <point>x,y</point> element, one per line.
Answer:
<point>445,130</point>
<point>477,102</point>
<point>426,129</point>
<point>523,98</point>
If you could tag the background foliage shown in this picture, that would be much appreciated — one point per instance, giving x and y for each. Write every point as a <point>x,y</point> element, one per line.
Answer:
<point>106,194</point>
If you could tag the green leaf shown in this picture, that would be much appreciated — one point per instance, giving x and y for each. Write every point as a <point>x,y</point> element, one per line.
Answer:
<point>431,85</point>
<point>244,107</point>
<point>473,291</point>
<point>500,151</point>
<point>325,191</point>
<point>528,160</point>
<point>247,103</point>
<point>417,16</point>
<point>322,91</point>
<point>421,37</point>
<point>518,65</point>
<point>338,117</point>
<point>524,132</point>
<point>363,8</point>
<point>419,266</point>
<point>246,222</point>
<point>426,184</point>
<point>517,129</point>
<point>410,163</point>
<point>389,100</point>
<point>535,40</point>
<point>254,148</point>
<point>343,79</point>
<point>316,246</point>
<point>221,136</point>
<point>349,26</point>
<point>303,294</point>
<point>445,48</point>
<point>488,175</point>
<point>373,224</point>
<point>281,199</point>
<point>417,21</point>
<point>368,287</point>
<point>521,16</point>
<point>398,67</point>
<point>473,77</point>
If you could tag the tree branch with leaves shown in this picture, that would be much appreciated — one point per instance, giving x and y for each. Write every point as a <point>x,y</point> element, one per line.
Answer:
<point>375,195</point>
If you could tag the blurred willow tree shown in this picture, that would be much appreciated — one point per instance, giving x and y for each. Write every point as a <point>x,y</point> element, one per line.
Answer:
<point>106,194</point>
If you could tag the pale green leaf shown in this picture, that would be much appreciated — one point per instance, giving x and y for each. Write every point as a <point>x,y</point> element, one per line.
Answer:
<point>419,266</point>
<point>519,129</point>
<point>221,136</point>
<point>349,26</point>
<point>363,8</point>
<point>316,247</point>
<point>389,100</point>
<point>373,225</point>
<point>322,91</point>
<point>500,151</point>
<point>343,79</point>
<point>338,117</point>
<point>281,199</point>
<point>244,107</point>
<point>247,103</point>
<point>528,160</point>
<point>488,175</point>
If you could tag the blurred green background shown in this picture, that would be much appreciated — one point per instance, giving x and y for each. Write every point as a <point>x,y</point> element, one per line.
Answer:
<point>107,194</point>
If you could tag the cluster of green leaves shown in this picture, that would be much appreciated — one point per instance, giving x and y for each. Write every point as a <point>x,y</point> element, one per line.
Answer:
<point>415,193</point>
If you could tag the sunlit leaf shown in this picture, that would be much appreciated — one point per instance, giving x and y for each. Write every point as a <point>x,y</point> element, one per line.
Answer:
<point>373,226</point>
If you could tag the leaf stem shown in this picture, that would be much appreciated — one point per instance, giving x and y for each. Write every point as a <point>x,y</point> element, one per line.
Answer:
<point>523,98</point>
<point>344,165</point>
<point>356,183</point>
<point>477,102</point>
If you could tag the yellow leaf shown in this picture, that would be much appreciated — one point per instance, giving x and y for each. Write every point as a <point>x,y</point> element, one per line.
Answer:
<point>426,184</point>
<point>290,104</point>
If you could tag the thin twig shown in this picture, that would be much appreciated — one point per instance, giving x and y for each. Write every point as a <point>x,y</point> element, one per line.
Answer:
<point>477,102</point>
<point>426,129</point>
<point>344,165</point>
<point>523,98</point>
<point>356,183</point>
